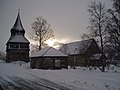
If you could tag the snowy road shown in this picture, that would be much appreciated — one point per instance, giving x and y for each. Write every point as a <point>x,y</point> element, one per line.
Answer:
<point>14,77</point>
<point>17,83</point>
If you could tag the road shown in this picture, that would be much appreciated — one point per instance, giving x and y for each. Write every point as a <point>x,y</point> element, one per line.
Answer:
<point>17,83</point>
<point>13,77</point>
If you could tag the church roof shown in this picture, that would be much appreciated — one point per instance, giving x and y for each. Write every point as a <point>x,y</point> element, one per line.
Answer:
<point>18,39</point>
<point>48,52</point>
<point>76,47</point>
<point>18,25</point>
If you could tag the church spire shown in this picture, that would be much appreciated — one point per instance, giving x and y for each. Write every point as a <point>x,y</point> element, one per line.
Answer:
<point>18,25</point>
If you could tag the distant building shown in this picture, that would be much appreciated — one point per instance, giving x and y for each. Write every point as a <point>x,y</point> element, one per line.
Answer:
<point>49,58</point>
<point>17,46</point>
<point>80,52</point>
<point>2,55</point>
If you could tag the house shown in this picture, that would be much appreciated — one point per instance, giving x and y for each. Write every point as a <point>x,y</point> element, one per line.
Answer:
<point>80,52</point>
<point>48,58</point>
<point>17,47</point>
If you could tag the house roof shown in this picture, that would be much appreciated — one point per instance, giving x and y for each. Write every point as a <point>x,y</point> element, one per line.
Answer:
<point>76,47</point>
<point>18,39</point>
<point>48,51</point>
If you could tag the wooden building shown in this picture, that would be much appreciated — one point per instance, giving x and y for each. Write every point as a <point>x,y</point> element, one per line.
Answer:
<point>17,47</point>
<point>80,52</point>
<point>97,60</point>
<point>48,58</point>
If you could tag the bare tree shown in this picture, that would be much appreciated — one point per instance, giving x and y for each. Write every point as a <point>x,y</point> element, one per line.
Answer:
<point>41,31</point>
<point>114,28</point>
<point>98,21</point>
<point>98,24</point>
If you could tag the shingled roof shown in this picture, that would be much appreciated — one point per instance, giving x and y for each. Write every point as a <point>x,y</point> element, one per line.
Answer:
<point>48,52</point>
<point>76,47</point>
<point>18,24</point>
<point>18,39</point>
<point>17,32</point>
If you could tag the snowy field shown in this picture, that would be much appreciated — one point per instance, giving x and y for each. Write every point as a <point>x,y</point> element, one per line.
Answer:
<point>75,79</point>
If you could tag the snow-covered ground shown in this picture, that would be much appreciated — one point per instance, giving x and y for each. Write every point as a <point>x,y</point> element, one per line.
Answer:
<point>75,79</point>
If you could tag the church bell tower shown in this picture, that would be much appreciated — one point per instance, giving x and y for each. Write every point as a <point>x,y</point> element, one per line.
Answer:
<point>17,47</point>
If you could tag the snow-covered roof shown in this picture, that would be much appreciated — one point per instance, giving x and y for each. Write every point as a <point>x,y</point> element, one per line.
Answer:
<point>18,39</point>
<point>48,51</point>
<point>76,47</point>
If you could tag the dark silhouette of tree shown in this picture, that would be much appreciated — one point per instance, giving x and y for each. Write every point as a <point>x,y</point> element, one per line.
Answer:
<point>41,31</point>
<point>98,24</point>
<point>114,28</point>
<point>98,21</point>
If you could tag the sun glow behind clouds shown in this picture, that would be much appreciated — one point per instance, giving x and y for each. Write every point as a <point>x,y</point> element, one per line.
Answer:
<point>55,43</point>
<point>52,42</point>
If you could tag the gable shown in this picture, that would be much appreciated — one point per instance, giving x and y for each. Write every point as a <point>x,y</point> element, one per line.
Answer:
<point>93,48</point>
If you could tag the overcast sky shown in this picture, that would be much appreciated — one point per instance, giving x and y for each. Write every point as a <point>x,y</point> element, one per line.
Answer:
<point>68,18</point>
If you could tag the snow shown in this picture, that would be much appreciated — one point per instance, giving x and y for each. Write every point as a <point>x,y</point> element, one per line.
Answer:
<point>18,39</point>
<point>75,79</point>
<point>48,51</point>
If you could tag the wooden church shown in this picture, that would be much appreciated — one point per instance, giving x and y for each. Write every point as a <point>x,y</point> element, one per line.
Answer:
<point>17,47</point>
<point>80,52</point>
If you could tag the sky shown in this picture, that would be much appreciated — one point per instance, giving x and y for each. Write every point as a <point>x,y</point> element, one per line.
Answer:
<point>68,18</point>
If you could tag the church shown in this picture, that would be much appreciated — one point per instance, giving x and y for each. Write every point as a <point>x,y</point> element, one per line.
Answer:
<point>17,47</point>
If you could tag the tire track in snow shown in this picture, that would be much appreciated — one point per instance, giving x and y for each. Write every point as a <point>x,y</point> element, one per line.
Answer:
<point>25,84</point>
<point>7,85</point>
<point>29,85</point>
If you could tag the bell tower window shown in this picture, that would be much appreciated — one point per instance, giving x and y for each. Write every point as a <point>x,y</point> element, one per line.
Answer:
<point>14,46</point>
<point>24,46</point>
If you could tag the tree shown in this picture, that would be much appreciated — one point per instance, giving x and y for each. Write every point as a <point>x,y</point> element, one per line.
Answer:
<point>98,21</point>
<point>41,31</point>
<point>114,28</point>
<point>98,24</point>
